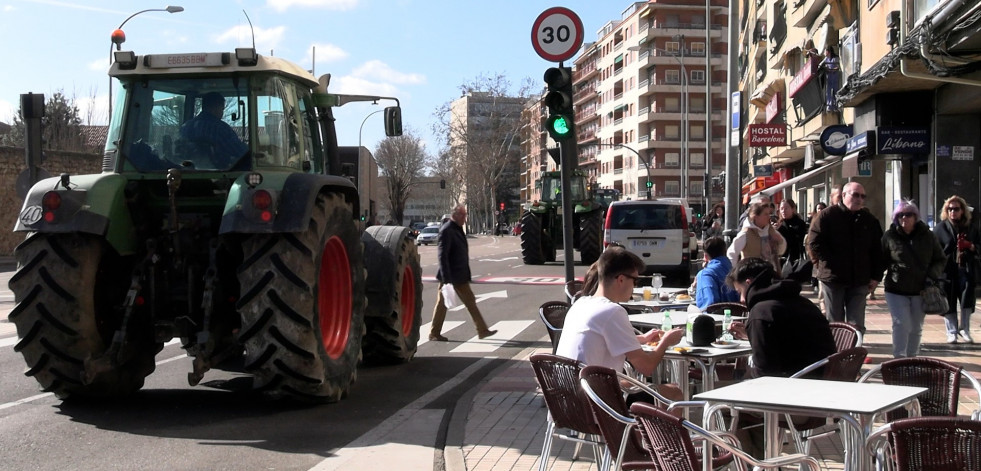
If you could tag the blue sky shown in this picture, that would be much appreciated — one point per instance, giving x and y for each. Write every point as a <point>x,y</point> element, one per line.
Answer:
<point>417,50</point>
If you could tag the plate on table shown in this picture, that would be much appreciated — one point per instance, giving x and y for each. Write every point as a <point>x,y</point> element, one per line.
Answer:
<point>724,344</point>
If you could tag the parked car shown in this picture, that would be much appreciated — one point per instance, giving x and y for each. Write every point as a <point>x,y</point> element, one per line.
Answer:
<point>656,231</point>
<point>427,235</point>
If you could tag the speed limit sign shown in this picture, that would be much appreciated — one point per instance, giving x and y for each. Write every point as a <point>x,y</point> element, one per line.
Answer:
<point>557,34</point>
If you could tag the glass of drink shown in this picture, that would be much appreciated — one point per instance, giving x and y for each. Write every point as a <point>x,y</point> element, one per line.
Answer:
<point>647,293</point>
<point>657,282</point>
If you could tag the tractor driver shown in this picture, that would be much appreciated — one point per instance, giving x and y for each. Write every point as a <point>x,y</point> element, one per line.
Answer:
<point>209,133</point>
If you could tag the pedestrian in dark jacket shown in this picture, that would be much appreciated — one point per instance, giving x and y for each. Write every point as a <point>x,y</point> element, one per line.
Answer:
<point>845,246</point>
<point>793,228</point>
<point>913,258</point>
<point>960,240</point>
<point>453,253</point>
<point>786,330</point>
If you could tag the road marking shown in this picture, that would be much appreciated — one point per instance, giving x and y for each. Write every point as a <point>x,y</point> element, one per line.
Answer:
<point>506,330</point>
<point>397,429</point>
<point>483,297</point>
<point>497,259</point>
<point>424,330</point>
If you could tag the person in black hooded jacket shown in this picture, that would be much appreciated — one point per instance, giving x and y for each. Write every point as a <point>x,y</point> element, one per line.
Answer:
<point>786,330</point>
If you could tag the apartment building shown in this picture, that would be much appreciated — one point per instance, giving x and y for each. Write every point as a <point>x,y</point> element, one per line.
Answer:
<point>874,91</point>
<point>650,100</point>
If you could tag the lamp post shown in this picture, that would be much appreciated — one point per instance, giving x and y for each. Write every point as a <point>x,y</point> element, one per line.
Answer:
<point>359,158</point>
<point>118,38</point>
<point>684,104</point>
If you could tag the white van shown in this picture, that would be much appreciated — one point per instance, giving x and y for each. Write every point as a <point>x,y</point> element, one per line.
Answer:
<point>654,230</point>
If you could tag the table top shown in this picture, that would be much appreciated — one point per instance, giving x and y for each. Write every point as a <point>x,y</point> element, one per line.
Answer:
<point>804,395</point>
<point>678,318</point>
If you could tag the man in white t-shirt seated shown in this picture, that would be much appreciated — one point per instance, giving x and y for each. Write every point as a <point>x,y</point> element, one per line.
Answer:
<point>597,330</point>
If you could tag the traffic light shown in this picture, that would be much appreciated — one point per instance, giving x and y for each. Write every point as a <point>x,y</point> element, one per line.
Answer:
<point>500,206</point>
<point>560,124</point>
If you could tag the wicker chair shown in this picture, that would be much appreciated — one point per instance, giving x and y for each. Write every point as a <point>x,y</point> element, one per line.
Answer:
<point>846,335</point>
<point>738,309</point>
<point>568,407</point>
<point>573,288</point>
<point>604,388</point>
<point>552,314</point>
<point>942,380</point>
<point>927,444</point>
<point>669,440</point>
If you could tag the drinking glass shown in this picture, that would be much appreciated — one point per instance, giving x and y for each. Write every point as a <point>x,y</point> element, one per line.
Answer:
<point>657,282</point>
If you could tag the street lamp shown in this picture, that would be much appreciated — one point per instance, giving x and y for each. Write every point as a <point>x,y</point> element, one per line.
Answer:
<point>647,163</point>
<point>118,37</point>
<point>684,105</point>
<point>359,150</point>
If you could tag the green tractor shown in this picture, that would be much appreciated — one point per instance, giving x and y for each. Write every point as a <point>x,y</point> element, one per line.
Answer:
<point>541,222</point>
<point>222,218</point>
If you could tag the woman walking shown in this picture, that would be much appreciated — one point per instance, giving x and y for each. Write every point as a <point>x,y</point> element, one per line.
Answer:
<point>913,258</point>
<point>758,238</point>
<point>959,239</point>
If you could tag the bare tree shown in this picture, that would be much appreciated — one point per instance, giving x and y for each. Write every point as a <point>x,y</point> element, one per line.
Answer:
<point>61,125</point>
<point>402,159</point>
<point>479,143</point>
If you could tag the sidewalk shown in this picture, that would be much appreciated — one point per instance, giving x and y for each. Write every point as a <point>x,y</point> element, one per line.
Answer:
<point>505,424</point>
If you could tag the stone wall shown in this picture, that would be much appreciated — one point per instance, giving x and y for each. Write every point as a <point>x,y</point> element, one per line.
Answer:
<point>12,163</point>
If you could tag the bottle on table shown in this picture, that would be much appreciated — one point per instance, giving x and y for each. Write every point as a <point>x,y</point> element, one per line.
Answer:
<point>726,324</point>
<point>666,324</point>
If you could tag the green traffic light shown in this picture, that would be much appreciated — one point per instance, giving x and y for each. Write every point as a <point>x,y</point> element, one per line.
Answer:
<point>650,184</point>
<point>560,125</point>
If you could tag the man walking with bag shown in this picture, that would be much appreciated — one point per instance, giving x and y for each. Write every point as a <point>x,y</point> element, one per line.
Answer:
<point>453,253</point>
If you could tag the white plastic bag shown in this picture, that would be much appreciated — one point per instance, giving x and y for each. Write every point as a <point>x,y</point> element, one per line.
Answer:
<point>450,298</point>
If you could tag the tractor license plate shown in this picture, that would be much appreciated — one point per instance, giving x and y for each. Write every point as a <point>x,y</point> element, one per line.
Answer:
<point>646,243</point>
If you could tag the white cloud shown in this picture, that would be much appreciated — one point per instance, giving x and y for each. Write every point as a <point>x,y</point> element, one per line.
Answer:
<point>325,53</point>
<point>99,65</point>
<point>265,38</point>
<point>359,86</point>
<point>338,5</point>
<point>93,110</point>
<point>7,112</point>
<point>378,70</point>
<point>8,8</point>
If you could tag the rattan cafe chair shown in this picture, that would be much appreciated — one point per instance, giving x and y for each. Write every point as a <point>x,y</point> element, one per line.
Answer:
<point>552,314</point>
<point>846,335</point>
<point>941,379</point>
<point>927,444</point>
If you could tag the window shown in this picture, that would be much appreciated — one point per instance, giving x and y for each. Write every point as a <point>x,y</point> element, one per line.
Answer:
<point>698,49</point>
<point>672,131</point>
<point>696,188</point>
<point>697,131</point>
<point>698,76</point>
<point>672,188</point>
<point>672,76</point>
<point>672,46</point>
<point>697,105</point>
<point>697,159</point>
<point>671,159</point>
<point>672,104</point>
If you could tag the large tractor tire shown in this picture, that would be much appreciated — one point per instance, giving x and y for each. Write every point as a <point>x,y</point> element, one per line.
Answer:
<point>591,238</point>
<point>532,249</point>
<point>302,306</point>
<point>394,290</point>
<point>69,290</point>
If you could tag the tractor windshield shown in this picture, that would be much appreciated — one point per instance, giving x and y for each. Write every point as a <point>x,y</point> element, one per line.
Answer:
<point>552,188</point>
<point>213,124</point>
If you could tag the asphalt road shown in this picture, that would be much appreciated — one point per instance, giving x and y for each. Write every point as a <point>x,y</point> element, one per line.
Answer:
<point>221,425</point>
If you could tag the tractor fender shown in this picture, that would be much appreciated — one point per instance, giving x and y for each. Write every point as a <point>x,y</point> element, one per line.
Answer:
<point>92,204</point>
<point>294,196</point>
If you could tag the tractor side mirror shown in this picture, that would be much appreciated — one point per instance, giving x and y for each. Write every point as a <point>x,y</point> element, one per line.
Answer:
<point>393,121</point>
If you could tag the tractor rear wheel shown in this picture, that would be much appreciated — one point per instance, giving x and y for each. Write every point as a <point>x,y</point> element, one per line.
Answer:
<point>590,238</point>
<point>532,250</point>
<point>394,290</point>
<point>302,306</point>
<point>69,289</point>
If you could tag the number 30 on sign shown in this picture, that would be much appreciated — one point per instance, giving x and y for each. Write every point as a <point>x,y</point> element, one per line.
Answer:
<point>557,34</point>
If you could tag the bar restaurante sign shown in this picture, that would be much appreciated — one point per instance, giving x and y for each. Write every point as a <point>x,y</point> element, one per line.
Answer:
<point>767,135</point>
<point>803,77</point>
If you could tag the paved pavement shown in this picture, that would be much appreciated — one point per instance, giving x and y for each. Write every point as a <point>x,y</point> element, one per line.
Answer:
<point>504,424</point>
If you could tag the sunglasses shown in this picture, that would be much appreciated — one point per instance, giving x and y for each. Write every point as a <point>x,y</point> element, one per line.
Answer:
<point>858,195</point>
<point>906,215</point>
<point>953,208</point>
<point>635,278</point>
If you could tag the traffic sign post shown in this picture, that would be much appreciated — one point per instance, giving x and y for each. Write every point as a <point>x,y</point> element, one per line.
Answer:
<point>557,35</point>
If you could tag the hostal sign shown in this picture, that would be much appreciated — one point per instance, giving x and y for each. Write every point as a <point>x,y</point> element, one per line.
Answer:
<point>767,135</point>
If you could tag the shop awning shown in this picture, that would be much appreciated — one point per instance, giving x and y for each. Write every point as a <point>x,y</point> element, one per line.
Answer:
<point>808,174</point>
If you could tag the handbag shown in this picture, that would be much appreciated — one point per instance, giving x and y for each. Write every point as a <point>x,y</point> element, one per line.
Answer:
<point>934,299</point>
<point>450,298</point>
